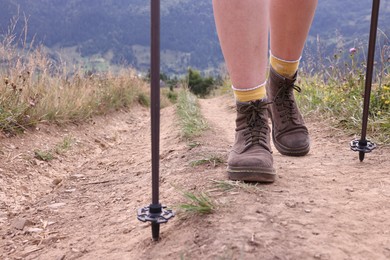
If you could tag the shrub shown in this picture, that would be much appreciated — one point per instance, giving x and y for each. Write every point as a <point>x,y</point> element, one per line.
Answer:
<point>200,86</point>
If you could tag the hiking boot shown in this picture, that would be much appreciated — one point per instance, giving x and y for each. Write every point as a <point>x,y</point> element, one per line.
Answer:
<point>250,158</point>
<point>289,133</point>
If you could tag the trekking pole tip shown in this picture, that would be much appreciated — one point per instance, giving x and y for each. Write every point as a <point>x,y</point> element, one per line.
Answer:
<point>156,214</point>
<point>361,156</point>
<point>363,147</point>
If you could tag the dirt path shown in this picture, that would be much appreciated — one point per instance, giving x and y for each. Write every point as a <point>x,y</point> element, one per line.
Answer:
<point>82,205</point>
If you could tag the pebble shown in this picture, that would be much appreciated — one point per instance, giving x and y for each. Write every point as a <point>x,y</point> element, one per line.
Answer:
<point>77,176</point>
<point>290,204</point>
<point>249,218</point>
<point>30,249</point>
<point>56,181</point>
<point>56,205</point>
<point>34,230</point>
<point>61,257</point>
<point>20,223</point>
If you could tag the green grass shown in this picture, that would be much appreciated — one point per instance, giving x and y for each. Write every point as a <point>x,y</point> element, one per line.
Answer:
<point>143,99</point>
<point>197,203</point>
<point>59,149</point>
<point>170,94</point>
<point>228,185</point>
<point>341,103</point>
<point>194,144</point>
<point>334,93</point>
<point>190,118</point>
<point>43,155</point>
<point>214,160</point>
<point>64,145</point>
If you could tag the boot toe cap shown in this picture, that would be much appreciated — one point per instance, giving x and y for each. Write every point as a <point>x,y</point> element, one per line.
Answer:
<point>295,141</point>
<point>297,144</point>
<point>250,159</point>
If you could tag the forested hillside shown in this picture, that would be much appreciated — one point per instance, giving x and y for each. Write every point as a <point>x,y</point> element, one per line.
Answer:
<point>121,28</point>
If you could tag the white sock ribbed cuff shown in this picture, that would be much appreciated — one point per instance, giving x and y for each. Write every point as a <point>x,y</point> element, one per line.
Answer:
<point>249,89</point>
<point>288,61</point>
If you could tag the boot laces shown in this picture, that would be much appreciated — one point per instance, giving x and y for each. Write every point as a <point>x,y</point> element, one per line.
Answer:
<point>285,103</point>
<point>257,127</point>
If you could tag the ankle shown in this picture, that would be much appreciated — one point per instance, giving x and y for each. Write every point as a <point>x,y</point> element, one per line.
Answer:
<point>286,68</point>
<point>250,94</point>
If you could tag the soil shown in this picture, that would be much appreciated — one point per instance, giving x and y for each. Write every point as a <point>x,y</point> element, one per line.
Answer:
<point>82,204</point>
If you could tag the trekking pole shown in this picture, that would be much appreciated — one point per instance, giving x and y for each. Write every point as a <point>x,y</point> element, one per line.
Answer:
<point>364,146</point>
<point>155,212</point>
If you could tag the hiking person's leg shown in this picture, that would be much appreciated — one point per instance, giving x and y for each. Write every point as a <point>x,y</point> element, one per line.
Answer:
<point>242,28</point>
<point>290,21</point>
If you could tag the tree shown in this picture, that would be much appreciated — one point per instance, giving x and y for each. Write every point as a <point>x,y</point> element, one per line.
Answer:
<point>200,86</point>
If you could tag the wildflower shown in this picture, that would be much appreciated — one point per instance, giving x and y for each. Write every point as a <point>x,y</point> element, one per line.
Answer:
<point>352,51</point>
<point>386,88</point>
<point>6,81</point>
<point>387,102</point>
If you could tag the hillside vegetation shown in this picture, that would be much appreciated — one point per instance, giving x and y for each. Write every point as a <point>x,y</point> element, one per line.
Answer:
<point>118,31</point>
<point>37,87</point>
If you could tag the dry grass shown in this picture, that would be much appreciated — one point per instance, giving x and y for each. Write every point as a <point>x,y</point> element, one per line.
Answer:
<point>36,88</point>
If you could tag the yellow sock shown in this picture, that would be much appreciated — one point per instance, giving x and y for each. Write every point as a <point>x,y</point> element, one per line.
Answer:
<point>284,67</point>
<point>251,94</point>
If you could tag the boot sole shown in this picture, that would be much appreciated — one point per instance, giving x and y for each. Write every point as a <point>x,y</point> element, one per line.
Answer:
<point>265,175</point>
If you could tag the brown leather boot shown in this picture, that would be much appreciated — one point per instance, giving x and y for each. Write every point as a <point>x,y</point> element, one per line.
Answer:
<point>251,158</point>
<point>289,133</point>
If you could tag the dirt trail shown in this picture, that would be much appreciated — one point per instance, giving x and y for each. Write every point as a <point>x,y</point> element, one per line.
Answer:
<point>82,205</point>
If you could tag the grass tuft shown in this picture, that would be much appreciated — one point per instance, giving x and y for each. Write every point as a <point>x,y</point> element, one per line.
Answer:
<point>191,120</point>
<point>143,99</point>
<point>228,185</point>
<point>65,145</point>
<point>59,149</point>
<point>43,155</point>
<point>197,203</point>
<point>214,160</point>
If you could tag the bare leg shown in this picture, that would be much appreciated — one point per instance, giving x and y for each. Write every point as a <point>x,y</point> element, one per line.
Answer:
<point>290,22</point>
<point>242,27</point>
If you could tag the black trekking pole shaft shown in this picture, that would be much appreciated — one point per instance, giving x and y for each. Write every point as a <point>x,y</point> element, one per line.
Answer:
<point>364,146</point>
<point>155,212</point>
<point>370,65</point>
<point>155,97</point>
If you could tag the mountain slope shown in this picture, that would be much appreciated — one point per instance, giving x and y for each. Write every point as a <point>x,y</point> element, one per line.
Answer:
<point>188,32</point>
